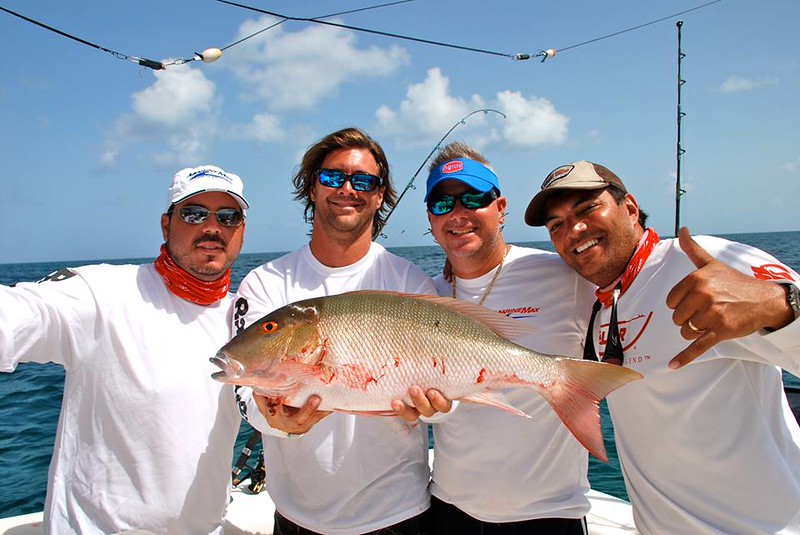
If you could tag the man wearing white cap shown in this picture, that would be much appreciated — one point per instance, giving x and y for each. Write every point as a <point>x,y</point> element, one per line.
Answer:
<point>145,436</point>
<point>706,448</point>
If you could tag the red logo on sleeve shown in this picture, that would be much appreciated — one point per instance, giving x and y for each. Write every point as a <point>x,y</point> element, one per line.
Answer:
<point>772,272</point>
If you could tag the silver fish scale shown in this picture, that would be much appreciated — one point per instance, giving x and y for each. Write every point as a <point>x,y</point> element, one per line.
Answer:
<point>380,344</point>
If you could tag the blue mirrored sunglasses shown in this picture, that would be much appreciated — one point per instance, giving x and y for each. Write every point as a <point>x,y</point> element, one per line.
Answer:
<point>333,178</point>
<point>196,215</point>
<point>444,203</point>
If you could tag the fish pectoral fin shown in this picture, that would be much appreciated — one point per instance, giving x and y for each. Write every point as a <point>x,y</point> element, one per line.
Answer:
<point>493,399</point>
<point>308,373</point>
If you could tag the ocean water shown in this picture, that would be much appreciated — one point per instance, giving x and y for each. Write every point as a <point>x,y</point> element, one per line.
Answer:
<point>30,398</point>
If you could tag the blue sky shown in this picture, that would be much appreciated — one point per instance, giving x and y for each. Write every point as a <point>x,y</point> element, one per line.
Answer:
<point>90,142</point>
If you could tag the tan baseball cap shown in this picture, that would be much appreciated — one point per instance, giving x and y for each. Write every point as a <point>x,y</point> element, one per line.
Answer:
<point>576,175</point>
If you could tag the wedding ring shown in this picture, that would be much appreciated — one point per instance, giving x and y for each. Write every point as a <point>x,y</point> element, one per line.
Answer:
<point>693,327</point>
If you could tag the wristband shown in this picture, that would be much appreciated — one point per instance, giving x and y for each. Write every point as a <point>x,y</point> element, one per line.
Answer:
<point>793,299</point>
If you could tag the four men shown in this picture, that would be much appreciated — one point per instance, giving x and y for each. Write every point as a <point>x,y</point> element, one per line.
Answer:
<point>697,444</point>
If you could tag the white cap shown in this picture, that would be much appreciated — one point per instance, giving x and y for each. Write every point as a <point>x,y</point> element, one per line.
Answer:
<point>194,180</point>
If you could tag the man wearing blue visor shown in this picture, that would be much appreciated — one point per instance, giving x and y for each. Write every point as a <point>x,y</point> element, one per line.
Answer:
<point>493,471</point>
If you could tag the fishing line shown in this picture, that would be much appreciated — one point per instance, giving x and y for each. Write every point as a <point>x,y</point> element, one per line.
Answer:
<point>209,55</point>
<point>367,30</point>
<point>543,54</point>
<point>436,147</point>
<point>638,27</point>
<point>155,65</point>
<point>315,18</point>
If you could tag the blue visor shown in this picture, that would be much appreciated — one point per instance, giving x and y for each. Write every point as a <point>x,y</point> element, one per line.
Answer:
<point>474,174</point>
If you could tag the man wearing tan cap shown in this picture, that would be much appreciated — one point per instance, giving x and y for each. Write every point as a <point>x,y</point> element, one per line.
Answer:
<point>145,436</point>
<point>708,447</point>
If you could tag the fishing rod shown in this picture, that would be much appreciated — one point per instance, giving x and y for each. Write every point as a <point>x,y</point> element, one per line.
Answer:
<point>244,456</point>
<point>436,147</point>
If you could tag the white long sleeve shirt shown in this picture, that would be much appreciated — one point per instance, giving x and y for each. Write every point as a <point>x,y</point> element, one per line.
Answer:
<point>128,454</point>
<point>711,448</point>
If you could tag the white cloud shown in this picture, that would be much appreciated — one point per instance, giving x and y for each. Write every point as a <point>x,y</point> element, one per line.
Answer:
<point>735,83</point>
<point>108,157</point>
<point>186,147</point>
<point>296,70</point>
<point>179,95</point>
<point>178,111</point>
<point>791,166</point>
<point>429,109</point>
<point>530,122</point>
<point>263,128</point>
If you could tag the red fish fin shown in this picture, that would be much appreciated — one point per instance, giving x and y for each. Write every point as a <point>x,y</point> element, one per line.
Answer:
<point>576,398</point>
<point>500,324</point>
<point>493,399</point>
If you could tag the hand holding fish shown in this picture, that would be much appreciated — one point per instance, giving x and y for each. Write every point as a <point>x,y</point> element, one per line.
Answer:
<point>291,420</point>
<point>361,351</point>
<point>422,404</point>
<point>717,303</point>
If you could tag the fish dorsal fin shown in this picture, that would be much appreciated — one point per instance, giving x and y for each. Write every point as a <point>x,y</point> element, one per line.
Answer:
<point>499,324</point>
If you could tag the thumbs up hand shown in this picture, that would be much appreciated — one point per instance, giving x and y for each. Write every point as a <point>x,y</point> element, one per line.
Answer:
<point>716,303</point>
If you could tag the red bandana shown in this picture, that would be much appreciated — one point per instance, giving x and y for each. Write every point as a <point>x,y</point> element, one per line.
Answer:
<point>647,242</point>
<point>184,285</point>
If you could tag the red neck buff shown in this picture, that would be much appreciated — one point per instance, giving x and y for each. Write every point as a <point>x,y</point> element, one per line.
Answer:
<point>647,242</point>
<point>184,285</point>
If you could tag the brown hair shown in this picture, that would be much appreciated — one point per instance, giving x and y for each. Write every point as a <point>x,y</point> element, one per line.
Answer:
<point>455,150</point>
<point>347,138</point>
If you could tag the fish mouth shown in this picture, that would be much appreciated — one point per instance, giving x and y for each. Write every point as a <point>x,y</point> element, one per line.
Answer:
<point>231,368</point>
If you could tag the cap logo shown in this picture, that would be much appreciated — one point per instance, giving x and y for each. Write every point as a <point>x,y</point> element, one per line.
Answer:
<point>452,167</point>
<point>209,172</point>
<point>557,175</point>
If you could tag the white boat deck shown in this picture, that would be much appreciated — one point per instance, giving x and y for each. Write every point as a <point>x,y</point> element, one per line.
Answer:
<point>251,514</point>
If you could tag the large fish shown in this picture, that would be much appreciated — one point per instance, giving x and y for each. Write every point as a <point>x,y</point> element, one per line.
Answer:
<point>360,350</point>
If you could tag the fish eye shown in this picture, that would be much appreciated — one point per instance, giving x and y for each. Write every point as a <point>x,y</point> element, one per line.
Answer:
<point>269,327</point>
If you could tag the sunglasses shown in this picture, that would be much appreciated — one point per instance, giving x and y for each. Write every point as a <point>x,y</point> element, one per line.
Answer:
<point>613,353</point>
<point>196,215</point>
<point>444,203</point>
<point>333,178</point>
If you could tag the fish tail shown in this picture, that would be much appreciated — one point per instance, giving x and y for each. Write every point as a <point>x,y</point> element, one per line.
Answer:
<point>576,396</point>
